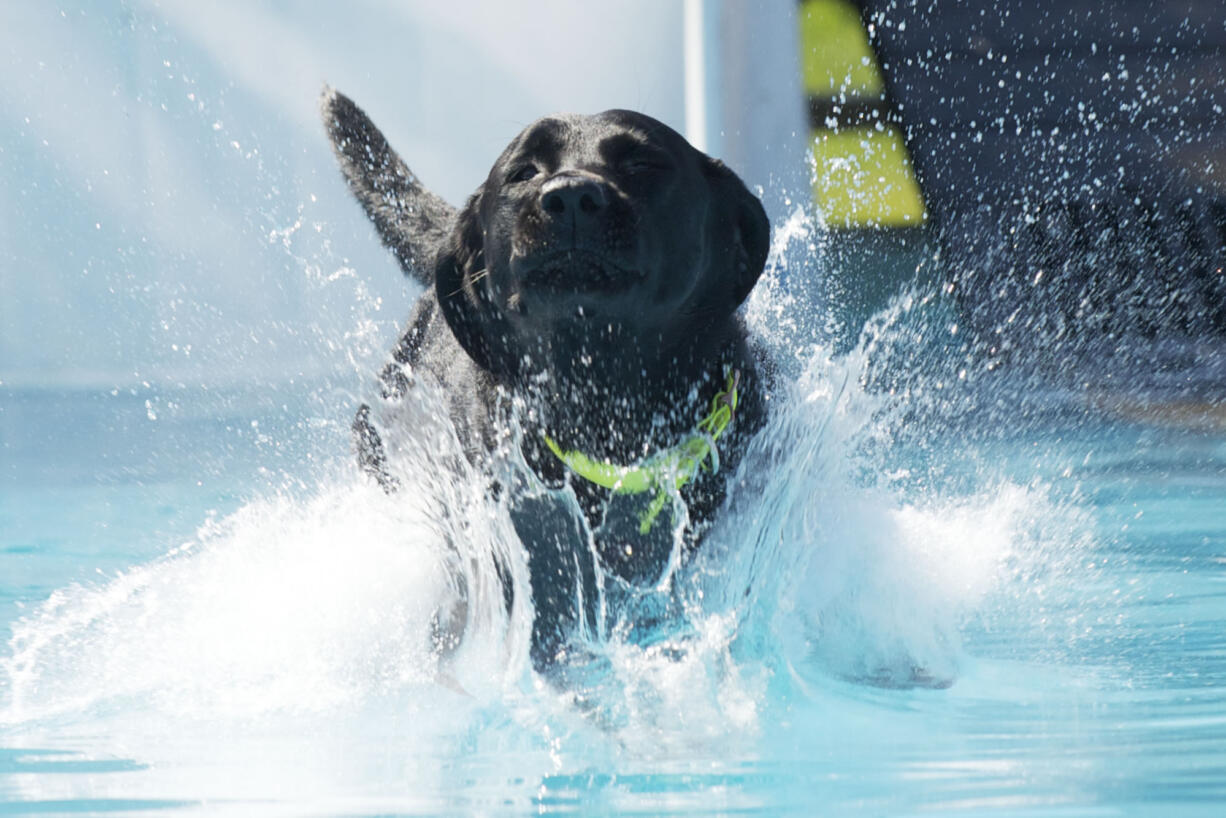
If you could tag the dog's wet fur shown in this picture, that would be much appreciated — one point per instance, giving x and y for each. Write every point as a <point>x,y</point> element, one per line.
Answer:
<point>593,280</point>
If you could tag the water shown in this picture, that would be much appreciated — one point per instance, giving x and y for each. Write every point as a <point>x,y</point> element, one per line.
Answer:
<point>942,585</point>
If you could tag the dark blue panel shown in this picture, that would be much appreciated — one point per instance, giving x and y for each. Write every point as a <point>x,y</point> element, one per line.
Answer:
<point>1073,154</point>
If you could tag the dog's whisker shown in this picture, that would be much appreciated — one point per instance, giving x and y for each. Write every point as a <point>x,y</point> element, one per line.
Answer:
<point>472,279</point>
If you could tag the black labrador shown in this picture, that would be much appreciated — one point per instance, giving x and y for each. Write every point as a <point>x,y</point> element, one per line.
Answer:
<point>589,288</point>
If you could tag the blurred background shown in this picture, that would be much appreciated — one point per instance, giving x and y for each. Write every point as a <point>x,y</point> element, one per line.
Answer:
<point>170,212</point>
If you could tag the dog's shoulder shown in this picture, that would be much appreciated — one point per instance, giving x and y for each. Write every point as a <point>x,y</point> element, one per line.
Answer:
<point>428,350</point>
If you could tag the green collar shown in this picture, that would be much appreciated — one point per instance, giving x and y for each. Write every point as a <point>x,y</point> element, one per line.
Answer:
<point>665,471</point>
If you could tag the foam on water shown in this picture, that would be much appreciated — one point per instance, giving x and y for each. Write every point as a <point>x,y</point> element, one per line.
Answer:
<point>328,605</point>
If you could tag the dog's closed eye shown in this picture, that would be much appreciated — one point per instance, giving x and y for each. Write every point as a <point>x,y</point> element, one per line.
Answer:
<point>643,161</point>
<point>522,173</point>
<point>631,154</point>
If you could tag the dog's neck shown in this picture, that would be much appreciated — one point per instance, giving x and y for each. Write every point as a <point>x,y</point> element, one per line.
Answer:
<point>624,398</point>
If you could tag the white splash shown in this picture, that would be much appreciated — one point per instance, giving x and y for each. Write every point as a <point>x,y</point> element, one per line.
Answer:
<point>331,605</point>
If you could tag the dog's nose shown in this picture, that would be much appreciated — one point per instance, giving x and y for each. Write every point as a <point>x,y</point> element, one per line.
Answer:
<point>574,194</point>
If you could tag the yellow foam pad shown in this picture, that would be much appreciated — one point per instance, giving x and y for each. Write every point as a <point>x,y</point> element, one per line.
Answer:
<point>865,179</point>
<point>836,57</point>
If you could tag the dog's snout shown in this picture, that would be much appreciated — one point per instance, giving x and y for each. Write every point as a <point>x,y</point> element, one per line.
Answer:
<point>573,194</point>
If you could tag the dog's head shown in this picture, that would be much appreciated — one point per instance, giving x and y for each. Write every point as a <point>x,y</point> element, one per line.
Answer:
<point>605,230</point>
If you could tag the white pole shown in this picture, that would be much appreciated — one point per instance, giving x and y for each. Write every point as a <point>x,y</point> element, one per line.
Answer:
<point>744,100</point>
<point>695,74</point>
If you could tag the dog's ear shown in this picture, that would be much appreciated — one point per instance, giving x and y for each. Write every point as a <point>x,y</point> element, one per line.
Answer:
<point>412,221</point>
<point>461,284</point>
<point>746,225</point>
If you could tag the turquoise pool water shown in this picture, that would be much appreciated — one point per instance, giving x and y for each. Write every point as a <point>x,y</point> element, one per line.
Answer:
<point>208,611</point>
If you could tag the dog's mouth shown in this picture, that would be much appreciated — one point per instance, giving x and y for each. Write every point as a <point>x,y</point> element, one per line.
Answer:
<point>576,271</point>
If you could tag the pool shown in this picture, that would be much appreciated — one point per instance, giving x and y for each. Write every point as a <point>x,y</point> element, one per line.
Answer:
<point>945,586</point>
